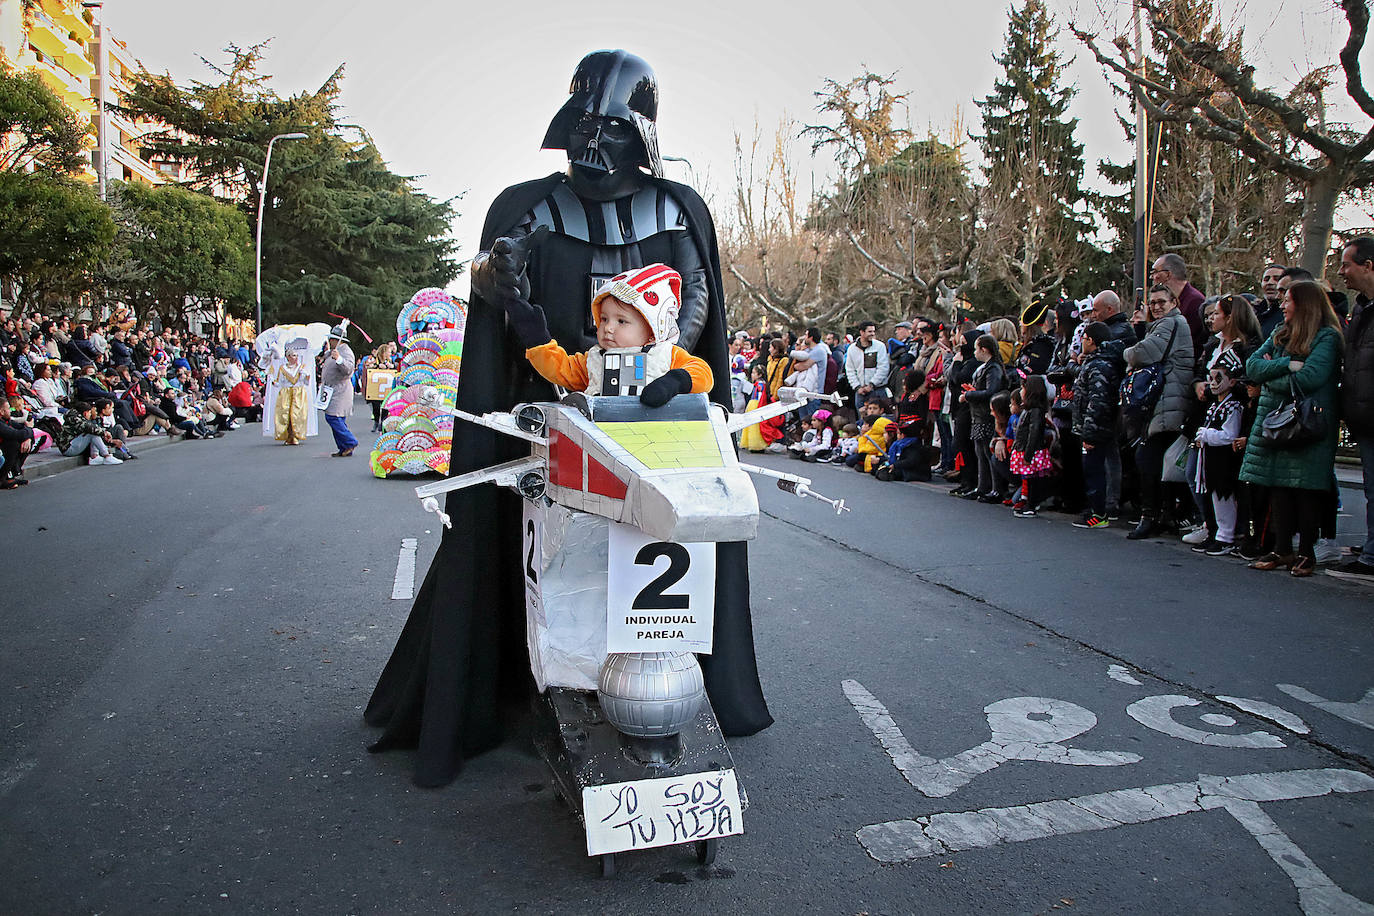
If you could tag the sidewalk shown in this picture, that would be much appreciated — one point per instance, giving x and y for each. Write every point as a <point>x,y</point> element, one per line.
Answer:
<point>50,461</point>
<point>1349,476</point>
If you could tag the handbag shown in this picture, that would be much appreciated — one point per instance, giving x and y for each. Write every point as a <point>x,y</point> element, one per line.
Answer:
<point>1296,423</point>
<point>1141,389</point>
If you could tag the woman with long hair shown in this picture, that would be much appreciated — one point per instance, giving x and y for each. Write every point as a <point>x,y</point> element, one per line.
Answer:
<point>1303,354</point>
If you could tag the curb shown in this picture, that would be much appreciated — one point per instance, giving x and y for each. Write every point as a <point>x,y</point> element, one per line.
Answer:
<point>59,463</point>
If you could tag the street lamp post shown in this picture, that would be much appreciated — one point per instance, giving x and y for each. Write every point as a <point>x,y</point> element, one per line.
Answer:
<point>262,205</point>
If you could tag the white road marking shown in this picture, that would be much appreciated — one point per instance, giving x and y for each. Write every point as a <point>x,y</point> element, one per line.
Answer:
<point>1216,718</point>
<point>1015,736</point>
<point>1157,713</point>
<point>1276,714</point>
<point>1122,674</point>
<point>1361,712</point>
<point>403,588</point>
<point>941,834</point>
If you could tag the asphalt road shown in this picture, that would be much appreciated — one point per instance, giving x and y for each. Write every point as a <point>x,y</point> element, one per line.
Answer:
<point>191,639</point>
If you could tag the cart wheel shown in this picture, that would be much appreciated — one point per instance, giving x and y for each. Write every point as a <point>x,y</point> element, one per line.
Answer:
<point>608,865</point>
<point>706,850</point>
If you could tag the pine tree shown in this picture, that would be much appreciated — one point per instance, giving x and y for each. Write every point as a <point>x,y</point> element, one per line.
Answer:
<point>1035,230</point>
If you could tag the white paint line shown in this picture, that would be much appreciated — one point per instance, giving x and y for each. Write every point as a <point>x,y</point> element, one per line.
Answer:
<point>1122,674</point>
<point>1361,712</point>
<point>1318,895</point>
<point>904,840</point>
<point>403,587</point>
<point>1157,713</point>
<point>1276,714</point>
<point>941,834</point>
<point>1015,736</point>
<point>1216,718</point>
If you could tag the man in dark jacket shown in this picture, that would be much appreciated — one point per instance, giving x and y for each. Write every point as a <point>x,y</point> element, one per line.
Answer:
<point>1357,387</point>
<point>1269,311</point>
<point>120,354</point>
<point>1107,309</point>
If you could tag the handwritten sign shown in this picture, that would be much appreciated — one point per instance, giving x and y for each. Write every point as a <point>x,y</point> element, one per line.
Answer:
<point>660,595</point>
<point>662,812</point>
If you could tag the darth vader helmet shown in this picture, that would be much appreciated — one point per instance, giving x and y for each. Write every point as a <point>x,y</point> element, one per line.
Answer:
<point>608,121</point>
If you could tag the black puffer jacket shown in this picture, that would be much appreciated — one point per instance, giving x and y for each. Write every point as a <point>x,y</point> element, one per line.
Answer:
<point>988,379</point>
<point>1357,382</point>
<point>1096,394</point>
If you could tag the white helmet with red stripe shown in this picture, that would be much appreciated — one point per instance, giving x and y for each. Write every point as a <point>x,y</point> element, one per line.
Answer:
<point>655,291</point>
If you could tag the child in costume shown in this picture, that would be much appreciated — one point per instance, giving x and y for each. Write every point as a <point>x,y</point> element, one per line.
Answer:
<point>751,438</point>
<point>1218,468</point>
<point>1030,449</point>
<point>636,324</point>
<point>818,442</point>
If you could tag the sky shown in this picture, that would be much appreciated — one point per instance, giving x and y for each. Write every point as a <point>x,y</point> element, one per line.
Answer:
<point>459,94</point>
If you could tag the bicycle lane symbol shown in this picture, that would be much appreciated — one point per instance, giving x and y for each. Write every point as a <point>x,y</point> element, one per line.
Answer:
<point>1016,736</point>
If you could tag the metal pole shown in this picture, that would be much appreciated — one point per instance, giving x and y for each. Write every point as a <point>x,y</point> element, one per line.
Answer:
<point>262,205</point>
<point>1142,232</point>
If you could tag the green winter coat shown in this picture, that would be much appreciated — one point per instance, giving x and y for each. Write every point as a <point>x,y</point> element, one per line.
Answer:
<point>1310,467</point>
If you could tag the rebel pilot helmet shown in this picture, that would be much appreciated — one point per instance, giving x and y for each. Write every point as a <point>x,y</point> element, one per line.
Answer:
<point>607,124</point>
<point>655,291</point>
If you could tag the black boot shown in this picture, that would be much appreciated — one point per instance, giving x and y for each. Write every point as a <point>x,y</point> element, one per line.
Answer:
<point>1145,529</point>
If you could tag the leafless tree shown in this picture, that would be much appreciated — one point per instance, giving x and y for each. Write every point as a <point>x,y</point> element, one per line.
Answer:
<point>1286,133</point>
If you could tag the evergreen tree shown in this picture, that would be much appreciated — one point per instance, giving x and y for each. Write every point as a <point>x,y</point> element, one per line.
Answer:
<point>342,233</point>
<point>1034,166</point>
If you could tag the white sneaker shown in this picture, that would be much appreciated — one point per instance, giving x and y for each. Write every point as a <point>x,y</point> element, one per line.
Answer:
<point>1196,537</point>
<point>111,459</point>
<point>776,448</point>
<point>1327,551</point>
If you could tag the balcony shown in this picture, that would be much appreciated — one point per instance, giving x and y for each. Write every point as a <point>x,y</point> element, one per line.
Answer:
<point>69,17</point>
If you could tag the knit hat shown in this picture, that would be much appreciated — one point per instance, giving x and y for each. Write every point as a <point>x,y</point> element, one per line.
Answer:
<point>655,291</point>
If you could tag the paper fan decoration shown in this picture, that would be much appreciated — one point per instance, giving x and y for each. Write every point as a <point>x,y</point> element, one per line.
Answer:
<point>446,361</point>
<point>416,439</point>
<point>446,378</point>
<point>416,375</point>
<point>421,358</point>
<point>429,294</point>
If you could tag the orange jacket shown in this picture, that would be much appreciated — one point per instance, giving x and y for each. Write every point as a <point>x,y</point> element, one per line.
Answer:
<point>553,363</point>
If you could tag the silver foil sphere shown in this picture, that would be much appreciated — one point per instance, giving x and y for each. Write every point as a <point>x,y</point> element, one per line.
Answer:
<point>650,694</point>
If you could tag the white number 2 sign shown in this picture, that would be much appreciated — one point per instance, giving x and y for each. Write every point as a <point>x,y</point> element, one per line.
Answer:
<point>660,595</point>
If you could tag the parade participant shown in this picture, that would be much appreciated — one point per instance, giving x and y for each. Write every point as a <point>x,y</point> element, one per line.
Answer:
<point>461,659</point>
<point>287,354</point>
<point>289,386</point>
<point>337,376</point>
<point>636,310</point>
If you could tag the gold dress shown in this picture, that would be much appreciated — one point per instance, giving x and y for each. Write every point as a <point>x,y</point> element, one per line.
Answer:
<point>290,410</point>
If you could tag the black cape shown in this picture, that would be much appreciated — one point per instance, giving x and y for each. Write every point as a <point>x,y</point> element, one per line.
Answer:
<point>460,668</point>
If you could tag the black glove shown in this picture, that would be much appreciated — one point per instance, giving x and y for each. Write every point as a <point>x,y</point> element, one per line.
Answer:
<point>527,321</point>
<point>662,389</point>
<point>500,274</point>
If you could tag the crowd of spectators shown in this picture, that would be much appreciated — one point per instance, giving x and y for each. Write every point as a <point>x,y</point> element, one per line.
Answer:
<point>86,388</point>
<point>1216,418</point>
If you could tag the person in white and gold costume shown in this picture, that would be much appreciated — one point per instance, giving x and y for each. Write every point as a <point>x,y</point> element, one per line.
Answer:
<point>287,353</point>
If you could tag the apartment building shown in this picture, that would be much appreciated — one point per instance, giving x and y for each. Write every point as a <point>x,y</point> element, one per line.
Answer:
<point>67,45</point>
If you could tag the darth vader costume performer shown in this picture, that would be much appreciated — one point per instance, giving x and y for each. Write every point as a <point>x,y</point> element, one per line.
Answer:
<point>460,669</point>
